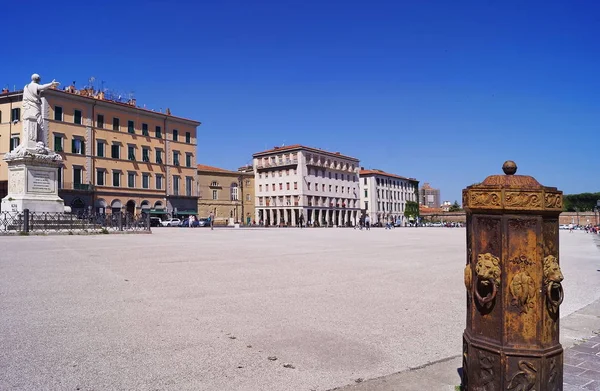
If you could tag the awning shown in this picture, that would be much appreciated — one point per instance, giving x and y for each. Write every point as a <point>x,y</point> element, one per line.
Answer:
<point>158,211</point>
<point>186,212</point>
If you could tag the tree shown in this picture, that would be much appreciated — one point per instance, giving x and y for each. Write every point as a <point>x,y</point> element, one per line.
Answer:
<point>583,202</point>
<point>411,210</point>
<point>455,207</point>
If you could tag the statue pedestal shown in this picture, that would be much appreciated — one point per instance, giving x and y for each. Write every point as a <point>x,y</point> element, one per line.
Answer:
<point>33,183</point>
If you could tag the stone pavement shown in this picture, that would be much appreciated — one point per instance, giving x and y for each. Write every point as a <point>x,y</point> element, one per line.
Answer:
<point>582,366</point>
<point>195,309</point>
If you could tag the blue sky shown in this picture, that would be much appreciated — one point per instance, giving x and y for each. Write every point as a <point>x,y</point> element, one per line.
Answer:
<point>443,91</point>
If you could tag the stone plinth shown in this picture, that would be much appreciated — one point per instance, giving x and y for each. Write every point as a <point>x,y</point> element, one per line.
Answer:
<point>33,183</point>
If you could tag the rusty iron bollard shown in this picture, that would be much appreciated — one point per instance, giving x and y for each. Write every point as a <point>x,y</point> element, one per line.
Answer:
<point>513,282</point>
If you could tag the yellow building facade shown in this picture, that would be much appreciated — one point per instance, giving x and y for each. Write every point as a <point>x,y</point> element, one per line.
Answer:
<point>229,195</point>
<point>117,157</point>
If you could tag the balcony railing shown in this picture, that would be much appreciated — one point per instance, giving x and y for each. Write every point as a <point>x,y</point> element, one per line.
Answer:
<point>281,163</point>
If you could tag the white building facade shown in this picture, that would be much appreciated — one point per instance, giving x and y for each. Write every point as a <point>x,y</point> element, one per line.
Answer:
<point>292,181</point>
<point>383,196</point>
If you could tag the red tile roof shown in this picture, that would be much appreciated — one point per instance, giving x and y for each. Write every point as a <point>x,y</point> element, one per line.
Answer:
<point>204,167</point>
<point>383,173</point>
<point>299,147</point>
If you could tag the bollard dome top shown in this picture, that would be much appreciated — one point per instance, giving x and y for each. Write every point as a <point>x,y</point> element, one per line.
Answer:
<point>510,192</point>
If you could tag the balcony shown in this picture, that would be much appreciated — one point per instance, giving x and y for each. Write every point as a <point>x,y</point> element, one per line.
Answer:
<point>277,164</point>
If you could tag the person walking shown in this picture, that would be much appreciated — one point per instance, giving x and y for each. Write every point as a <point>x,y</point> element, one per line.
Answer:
<point>211,219</point>
<point>368,223</point>
<point>301,220</point>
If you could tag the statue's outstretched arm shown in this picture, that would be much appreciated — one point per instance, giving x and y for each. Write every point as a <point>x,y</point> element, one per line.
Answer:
<point>43,87</point>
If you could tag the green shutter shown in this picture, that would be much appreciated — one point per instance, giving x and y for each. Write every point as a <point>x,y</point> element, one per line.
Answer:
<point>73,146</point>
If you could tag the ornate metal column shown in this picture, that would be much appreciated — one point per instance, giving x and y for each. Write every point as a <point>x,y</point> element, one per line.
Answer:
<point>513,282</point>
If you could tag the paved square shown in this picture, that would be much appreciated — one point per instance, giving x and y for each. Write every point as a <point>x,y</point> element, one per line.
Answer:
<point>195,309</point>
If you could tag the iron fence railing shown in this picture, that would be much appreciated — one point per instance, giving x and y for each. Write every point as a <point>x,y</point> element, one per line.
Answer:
<point>41,222</point>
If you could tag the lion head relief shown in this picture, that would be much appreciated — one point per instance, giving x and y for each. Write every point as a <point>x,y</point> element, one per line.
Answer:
<point>488,269</point>
<point>552,273</point>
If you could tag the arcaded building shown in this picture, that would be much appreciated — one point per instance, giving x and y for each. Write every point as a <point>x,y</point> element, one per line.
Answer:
<point>294,181</point>
<point>117,156</point>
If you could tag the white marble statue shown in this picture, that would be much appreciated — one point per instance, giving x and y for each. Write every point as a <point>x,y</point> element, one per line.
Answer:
<point>32,107</point>
<point>32,121</point>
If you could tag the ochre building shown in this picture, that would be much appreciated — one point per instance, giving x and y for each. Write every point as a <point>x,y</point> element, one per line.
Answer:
<point>117,156</point>
<point>229,195</point>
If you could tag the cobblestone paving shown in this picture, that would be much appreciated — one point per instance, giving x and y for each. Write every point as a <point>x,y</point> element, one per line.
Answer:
<point>582,365</point>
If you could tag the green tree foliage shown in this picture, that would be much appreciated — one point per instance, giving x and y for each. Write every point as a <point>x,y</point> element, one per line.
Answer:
<point>412,209</point>
<point>580,202</point>
<point>455,207</point>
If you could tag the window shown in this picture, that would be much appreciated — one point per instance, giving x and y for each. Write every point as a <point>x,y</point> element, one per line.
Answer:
<point>100,173</point>
<point>58,113</point>
<point>188,186</point>
<point>259,187</point>
<point>145,181</point>
<point>188,137</point>
<point>295,185</point>
<point>58,143</point>
<point>77,177</point>
<point>77,117</point>
<point>130,127</point>
<point>145,130</point>
<point>116,125</point>
<point>188,159</point>
<point>175,134</point>
<point>247,197</point>
<point>100,121</point>
<point>175,158</point>
<point>366,194</point>
<point>116,178</point>
<point>175,185</point>
<point>247,182</point>
<point>214,194</point>
<point>214,184</point>
<point>115,151</point>
<point>0,117</point>
<point>234,192</point>
<point>15,115</point>
<point>145,155</point>
<point>158,132</point>
<point>158,156</point>
<point>366,204</point>
<point>159,180</point>
<point>273,186</point>
<point>287,186</point>
<point>131,152</point>
<point>131,179</point>
<point>281,186</point>
<point>14,142</point>
<point>78,146</point>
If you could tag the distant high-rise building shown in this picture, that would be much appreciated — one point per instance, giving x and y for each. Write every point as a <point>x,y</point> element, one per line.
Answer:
<point>429,196</point>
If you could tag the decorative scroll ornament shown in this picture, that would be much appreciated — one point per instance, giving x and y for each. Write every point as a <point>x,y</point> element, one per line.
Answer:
<point>525,379</point>
<point>468,277</point>
<point>485,199</point>
<point>516,199</point>
<point>552,282</point>
<point>553,200</point>
<point>488,274</point>
<point>522,289</point>
<point>486,372</point>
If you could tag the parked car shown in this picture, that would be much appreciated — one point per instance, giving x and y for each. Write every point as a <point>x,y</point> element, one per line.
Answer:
<point>170,223</point>
<point>186,223</point>
<point>203,223</point>
<point>155,222</point>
